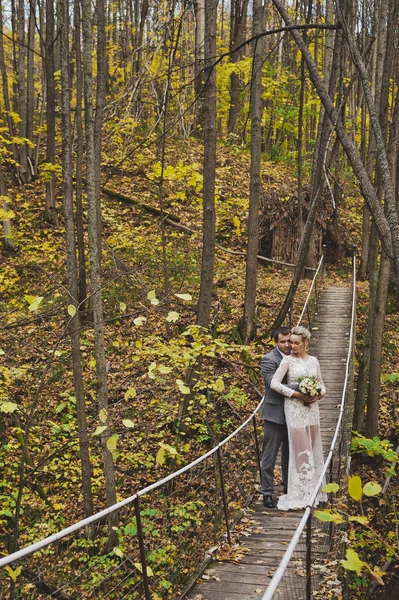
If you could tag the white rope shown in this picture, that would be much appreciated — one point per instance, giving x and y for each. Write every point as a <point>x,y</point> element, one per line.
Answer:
<point>311,288</point>
<point>111,509</point>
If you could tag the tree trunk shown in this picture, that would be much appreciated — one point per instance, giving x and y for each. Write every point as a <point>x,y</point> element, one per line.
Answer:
<point>6,98</point>
<point>100,106</point>
<point>95,275</point>
<point>199,54</point>
<point>209,219</point>
<point>30,91</point>
<point>7,239</point>
<point>74,325</point>
<point>82,287</point>
<point>23,159</point>
<point>50,213</point>
<point>255,179</point>
<point>238,10</point>
<point>373,398</point>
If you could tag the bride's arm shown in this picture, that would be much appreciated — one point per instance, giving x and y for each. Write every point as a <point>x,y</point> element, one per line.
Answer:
<point>319,377</point>
<point>278,377</point>
<point>282,389</point>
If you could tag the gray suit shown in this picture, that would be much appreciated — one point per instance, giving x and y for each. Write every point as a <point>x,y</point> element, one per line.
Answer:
<point>274,426</point>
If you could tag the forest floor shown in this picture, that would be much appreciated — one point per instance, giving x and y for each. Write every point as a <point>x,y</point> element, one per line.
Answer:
<point>150,335</point>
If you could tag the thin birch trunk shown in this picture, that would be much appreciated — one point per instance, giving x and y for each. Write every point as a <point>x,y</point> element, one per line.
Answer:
<point>95,269</point>
<point>67,195</point>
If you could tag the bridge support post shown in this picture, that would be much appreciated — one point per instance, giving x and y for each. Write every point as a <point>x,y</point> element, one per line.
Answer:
<point>226,514</point>
<point>142,549</point>
<point>309,558</point>
<point>257,448</point>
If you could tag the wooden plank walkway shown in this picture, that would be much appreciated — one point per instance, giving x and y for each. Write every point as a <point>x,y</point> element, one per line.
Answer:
<point>270,531</point>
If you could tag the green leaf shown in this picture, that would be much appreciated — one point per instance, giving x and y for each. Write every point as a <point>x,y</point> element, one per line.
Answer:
<point>71,310</point>
<point>328,517</point>
<point>184,296</point>
<point>139,321</point>
<point>103,415</point>
<point>130,393</point>
<point>173,317</point>
<point>352,561</point>
<point>371,488</point>
<point>128,423</point>
<point>122,307</point>
<point>355,488</point>
<point>8,407</point>
<point>330,488</point>
<point>112,441</point>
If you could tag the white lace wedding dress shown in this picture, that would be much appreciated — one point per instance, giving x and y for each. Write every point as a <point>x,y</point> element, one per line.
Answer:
<point>303,423</point>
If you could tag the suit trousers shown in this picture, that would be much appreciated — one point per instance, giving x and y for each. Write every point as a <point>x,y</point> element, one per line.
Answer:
<point>274,436</point>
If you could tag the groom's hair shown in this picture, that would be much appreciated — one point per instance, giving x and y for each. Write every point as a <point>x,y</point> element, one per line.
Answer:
<point>282,331</point>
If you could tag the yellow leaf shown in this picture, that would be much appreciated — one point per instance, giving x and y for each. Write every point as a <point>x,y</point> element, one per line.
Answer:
<point>184,296</point>
<point>100,429</point>
<point>165,370</point>
<point>352,561</point>
<point>103,415</point>
<point>118,552</point>
<point>182,387</point>
<point>139,321</point>
<point>111,442</point>
<point>372,489</point>
<point>71,310</point>
<point>355,487</point>
<point>122,307</point>
<point>173,317</point>
<point>34,305</point>
<point>8,407</point>
<point>160,457</point>
<point>6,214</point>
<point>130,393</point>
<point>218,386</point>
<point>128,423</point>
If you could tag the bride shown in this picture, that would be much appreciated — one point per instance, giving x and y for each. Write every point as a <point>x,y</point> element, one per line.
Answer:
<point>303,423</point>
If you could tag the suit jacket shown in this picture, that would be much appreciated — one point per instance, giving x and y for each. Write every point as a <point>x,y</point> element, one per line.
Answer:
<point>273,402</point>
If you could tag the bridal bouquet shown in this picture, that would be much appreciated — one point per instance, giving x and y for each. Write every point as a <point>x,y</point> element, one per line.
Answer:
<point>310,385</point>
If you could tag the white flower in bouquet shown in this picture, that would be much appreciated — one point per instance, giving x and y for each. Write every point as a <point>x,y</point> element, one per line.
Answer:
<point>310,385</point>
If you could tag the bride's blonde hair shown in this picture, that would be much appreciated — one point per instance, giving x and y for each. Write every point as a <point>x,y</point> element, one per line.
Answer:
<point>303,332</point>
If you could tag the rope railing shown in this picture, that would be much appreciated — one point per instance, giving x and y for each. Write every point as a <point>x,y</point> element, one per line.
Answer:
<point>162,530</point>
<point>314,539</point>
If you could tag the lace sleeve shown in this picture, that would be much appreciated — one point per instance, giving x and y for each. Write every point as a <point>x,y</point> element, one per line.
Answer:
<point>319,377</point>
<point>278,377</point>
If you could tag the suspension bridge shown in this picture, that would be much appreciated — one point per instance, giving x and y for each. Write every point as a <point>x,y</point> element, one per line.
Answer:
<point>168,532</point>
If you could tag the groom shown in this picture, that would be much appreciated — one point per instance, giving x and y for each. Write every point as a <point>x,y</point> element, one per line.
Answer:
<point>274,426</point>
